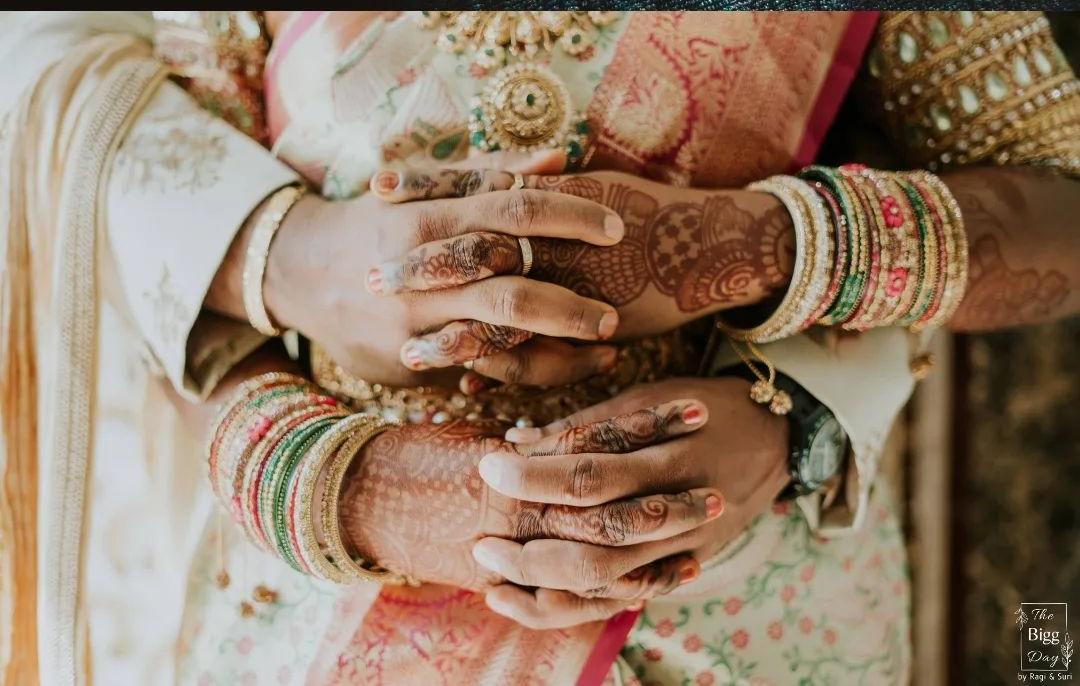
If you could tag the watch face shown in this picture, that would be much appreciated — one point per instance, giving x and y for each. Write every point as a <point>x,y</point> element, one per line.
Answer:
<point>826,450</point>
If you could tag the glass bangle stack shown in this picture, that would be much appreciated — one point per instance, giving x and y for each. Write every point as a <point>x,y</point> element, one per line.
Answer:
<point>871,249</point>
<point>277,459</point>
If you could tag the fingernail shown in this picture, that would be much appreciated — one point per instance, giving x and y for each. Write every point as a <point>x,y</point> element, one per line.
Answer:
<point>608,358</point>
<point>608,323</point>
<point>636,607</point>
<point>689,572</point>
<point>485,558</point>
<point>387,181</point>
<point>714,506</point>
<point>614,227</point>
<point>524,435</point>
<point>476,384</point>
<point>375,280</point>
<point>491,470</point>
<point>693,415</point>
<point>413,358</point>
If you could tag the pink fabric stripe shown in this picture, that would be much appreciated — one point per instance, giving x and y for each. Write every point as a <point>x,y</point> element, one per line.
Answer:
<point>295,28</point>
<point>845,65</point>
<point>607,648</point>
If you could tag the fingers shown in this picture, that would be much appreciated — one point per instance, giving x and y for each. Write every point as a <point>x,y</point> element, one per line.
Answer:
<point>622,522</point>
<point>655,579</point>
<point>541,361</point>
<point>459,342</point>
<point>625,433</point>
<point>525,212</point>
<point>450,262</point>
<point>425,184</point>
<point>587,479</point>
<point>593,413</point>
<point>543,308</point>
<point>548,609</point>
<point>572,566</point>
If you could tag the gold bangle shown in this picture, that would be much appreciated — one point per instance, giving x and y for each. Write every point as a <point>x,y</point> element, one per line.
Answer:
<point>266,226</point>
<point>331,523</point>
<point>337,439</point>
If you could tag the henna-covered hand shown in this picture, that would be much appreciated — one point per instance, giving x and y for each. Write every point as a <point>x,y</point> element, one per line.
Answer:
<point>415,503</point>
<point>687,252</point>
<point>748,465</point>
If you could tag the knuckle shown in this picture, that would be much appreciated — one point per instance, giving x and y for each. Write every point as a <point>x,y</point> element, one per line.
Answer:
<point>510,303</point>
<point>618,521</point>
<point>432,225</point>
<point>585,479</point>
<point>577,322</point>
<point>517,368</point>
<point>469,254</point>
<point>524,208</point>
<point>594,570</point>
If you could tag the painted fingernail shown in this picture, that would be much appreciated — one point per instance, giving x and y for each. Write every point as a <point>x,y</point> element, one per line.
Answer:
<point>476,384</point>
<point>413,358</point>
<point>614,227</point>
<point>693,415</point>
<point>608,323</point>
<point>689,572</point>
<point>714,506</point>
<point>387,181</point>
<point>485,558</point>
<point>524,434</point>
<point>491,470</point>
<point>375,280</point>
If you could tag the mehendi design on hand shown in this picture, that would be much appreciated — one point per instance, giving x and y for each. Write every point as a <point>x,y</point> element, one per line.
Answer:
<point>460,342</point>
<point>701,254</point>
<point>452,262</point>
<point>622,434</point>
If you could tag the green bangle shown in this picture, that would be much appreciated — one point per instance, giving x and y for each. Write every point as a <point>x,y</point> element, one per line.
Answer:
<point>279,511</point>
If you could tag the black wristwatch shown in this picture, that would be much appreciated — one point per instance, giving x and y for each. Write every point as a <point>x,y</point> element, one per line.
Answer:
<point>818,443</point>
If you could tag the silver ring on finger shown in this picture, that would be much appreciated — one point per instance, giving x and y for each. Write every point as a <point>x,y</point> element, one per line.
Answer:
<point>519,182</point>
<point>526,255</point>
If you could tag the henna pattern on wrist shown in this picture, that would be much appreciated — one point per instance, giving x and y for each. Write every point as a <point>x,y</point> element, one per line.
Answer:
<point>999,294</point>
<point>414,502</point>
<point>701,254</point>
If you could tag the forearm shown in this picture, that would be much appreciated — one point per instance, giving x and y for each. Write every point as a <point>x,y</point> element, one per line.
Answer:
<point>1024,246</point>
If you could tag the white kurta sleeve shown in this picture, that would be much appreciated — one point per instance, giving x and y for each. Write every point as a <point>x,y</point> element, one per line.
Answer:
<point>865,381</point>
<point>182,184</point>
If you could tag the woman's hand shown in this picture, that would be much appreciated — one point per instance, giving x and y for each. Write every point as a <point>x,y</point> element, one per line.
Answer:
<point>318,281</point>
<point>687,252</point>
<point>589,460</point>
<point>415,504</point>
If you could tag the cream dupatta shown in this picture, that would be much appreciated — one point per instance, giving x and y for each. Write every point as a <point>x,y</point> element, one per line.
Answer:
<point>55,148</point>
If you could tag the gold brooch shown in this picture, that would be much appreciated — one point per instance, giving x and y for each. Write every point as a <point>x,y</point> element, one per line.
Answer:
<point>525,107</point>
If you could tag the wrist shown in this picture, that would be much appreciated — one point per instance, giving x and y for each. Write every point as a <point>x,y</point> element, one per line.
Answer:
<point>286,263</point>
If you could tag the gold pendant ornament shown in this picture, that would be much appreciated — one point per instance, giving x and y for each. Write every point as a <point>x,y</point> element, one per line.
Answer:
<point>524,106</point>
